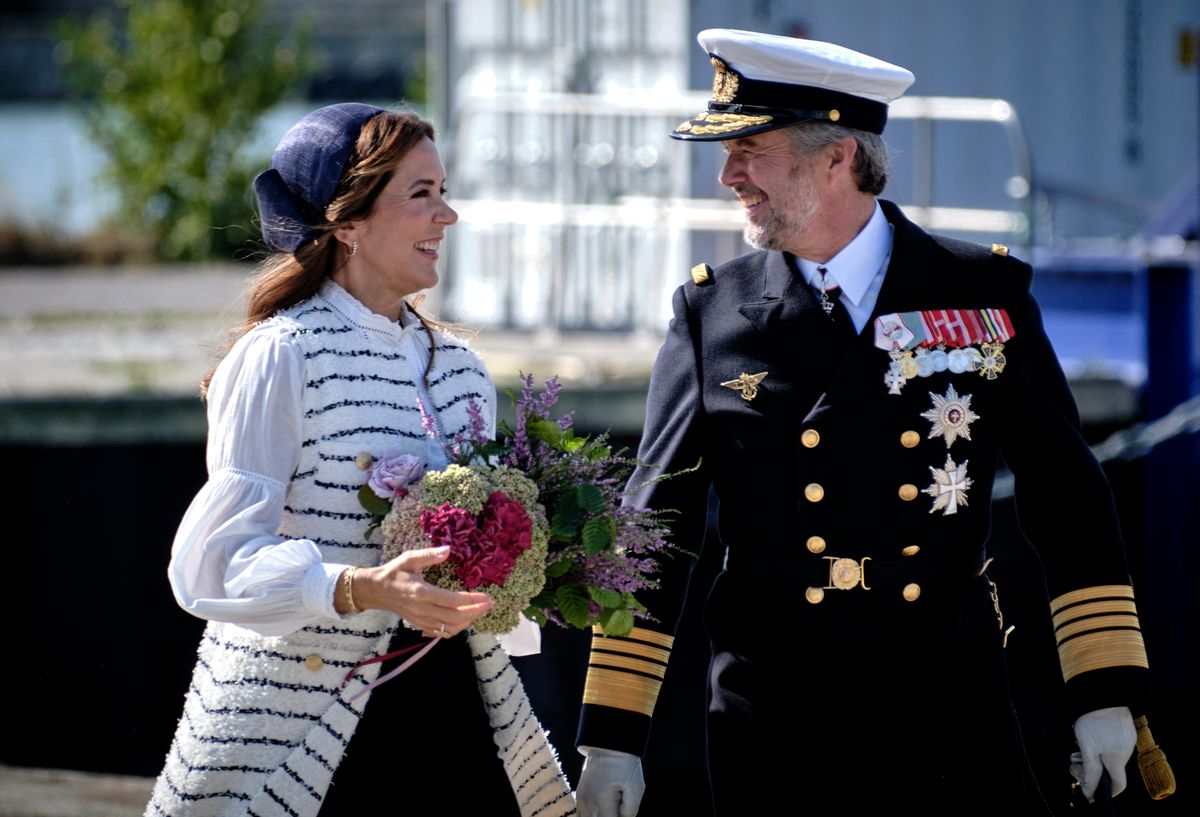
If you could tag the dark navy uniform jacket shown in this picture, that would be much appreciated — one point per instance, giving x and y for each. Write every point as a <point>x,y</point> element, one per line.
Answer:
<point>824,464</point>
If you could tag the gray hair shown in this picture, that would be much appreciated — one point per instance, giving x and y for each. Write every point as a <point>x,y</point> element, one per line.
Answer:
<point>871,162</point>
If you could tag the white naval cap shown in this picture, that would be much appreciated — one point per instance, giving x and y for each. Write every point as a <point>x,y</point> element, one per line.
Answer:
<point>765,81</point>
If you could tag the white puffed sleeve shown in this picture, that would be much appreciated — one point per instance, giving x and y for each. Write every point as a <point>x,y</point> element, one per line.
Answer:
<point>227,562</point>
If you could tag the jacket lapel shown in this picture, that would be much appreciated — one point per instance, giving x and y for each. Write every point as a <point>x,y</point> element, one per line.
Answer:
<point>786,313</point>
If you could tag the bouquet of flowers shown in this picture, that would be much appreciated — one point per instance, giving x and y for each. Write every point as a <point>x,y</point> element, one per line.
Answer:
<point>534,519</point>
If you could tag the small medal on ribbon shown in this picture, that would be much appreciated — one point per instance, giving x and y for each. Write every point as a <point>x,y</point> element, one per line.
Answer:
<point>920,344</point>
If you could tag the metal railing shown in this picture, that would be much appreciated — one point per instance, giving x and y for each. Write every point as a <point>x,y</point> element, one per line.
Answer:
<point>576,212</point>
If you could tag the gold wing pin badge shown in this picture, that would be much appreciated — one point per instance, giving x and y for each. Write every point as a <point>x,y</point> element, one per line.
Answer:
<point>747,384</point>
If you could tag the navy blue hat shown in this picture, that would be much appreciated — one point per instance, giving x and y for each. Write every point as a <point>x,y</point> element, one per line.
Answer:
<point>305,171</point>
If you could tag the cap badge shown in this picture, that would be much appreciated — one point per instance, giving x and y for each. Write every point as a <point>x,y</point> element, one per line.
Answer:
<point>951,416</point>
<point>747,384</point>
<point>725,82</point>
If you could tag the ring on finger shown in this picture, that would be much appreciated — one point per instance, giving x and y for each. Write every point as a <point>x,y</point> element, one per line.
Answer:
<point>441,630</point>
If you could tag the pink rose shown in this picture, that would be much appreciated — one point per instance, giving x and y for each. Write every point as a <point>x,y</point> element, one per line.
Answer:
<point>392,472</point>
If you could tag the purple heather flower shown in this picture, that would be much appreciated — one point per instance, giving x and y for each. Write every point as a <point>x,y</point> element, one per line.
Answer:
<point>477,425</point>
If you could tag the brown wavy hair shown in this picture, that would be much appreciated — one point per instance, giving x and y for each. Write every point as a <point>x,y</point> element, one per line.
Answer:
<point>286,279</point>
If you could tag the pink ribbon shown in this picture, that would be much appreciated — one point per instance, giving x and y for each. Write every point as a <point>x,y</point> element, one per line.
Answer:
<point>383,679</point>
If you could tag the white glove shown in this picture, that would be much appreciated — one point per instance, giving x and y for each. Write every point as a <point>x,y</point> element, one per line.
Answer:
<point>1106,739</point>
<point>610,785</point>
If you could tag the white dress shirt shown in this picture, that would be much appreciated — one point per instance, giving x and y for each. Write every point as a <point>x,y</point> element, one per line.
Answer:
<point>859,268</point>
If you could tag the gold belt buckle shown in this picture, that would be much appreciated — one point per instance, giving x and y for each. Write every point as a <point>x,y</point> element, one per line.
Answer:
<point>846,574</point>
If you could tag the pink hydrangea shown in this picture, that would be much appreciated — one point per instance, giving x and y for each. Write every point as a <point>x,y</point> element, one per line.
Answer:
<point>484,550</point>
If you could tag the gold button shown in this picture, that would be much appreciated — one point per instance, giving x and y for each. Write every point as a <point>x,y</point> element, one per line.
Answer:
<point>912,591</point>
<point>314,662</point>
<point>814,595</point>
<point>908,492</point>
<point>810,438</point>
<point>911,550</point>
<point>815,544</point>
<point>813,492</point>
<point>835,115</point>
<point>910,439</point>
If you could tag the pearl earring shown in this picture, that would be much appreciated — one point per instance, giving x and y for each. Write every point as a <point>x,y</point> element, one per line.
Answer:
<point>353,248</point>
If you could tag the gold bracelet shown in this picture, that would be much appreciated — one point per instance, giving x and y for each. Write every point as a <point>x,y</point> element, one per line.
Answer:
<point>348,584</point>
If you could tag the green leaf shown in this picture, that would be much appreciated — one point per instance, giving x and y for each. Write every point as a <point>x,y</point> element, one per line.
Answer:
<point>545,430</point>
<point>598,533</point>
<point>373,503</point>
<point>565,527</point>
<point>573,604</point>
<point>559,568</point>
<point>590,499</point>
<point>633,604</point>
<point>544,599</point>
<point>565,522</point>
<point>619,623</point>
<point>568,502</point>
<point>606,598</point>
<point>536,615</point>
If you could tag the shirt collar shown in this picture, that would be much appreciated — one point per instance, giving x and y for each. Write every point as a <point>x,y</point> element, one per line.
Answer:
<point>357,313</point>
<point>855,267</point>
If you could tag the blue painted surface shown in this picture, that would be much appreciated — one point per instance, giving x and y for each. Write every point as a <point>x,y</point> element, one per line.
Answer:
<point>1095,311</point>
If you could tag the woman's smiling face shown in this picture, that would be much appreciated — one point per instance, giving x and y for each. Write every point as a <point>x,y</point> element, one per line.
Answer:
<point>398,242</point>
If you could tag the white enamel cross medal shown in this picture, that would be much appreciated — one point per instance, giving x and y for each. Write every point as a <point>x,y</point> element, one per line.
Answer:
<point>949,488</point>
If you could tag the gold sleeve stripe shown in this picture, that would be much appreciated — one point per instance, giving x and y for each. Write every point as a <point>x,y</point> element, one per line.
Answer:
<point>1094,608</point>
<point>1101,650</point>
<point>636,634</point>
<point>621,662</point>
<point>1126,621</point>
<point>621,690</point>
<point>1100,591</point>
<point>631,648</point>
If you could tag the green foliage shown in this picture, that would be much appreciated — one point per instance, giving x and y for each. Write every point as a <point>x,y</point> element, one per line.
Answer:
<point>172,92</point>
<point>598,534</point>
<point>573,604</point>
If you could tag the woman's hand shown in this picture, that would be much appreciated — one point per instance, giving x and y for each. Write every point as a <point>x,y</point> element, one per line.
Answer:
<point>397,586</point>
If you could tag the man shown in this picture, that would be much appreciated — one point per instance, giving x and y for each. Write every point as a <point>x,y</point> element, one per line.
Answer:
<point>846,391</point>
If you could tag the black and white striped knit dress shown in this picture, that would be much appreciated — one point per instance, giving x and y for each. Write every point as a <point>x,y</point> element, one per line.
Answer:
<point>265,721</point>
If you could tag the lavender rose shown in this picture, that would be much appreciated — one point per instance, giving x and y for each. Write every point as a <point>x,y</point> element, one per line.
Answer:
<point>391,473</point>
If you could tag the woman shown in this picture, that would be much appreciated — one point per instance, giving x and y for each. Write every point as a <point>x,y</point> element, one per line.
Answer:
<point>332,364</point>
